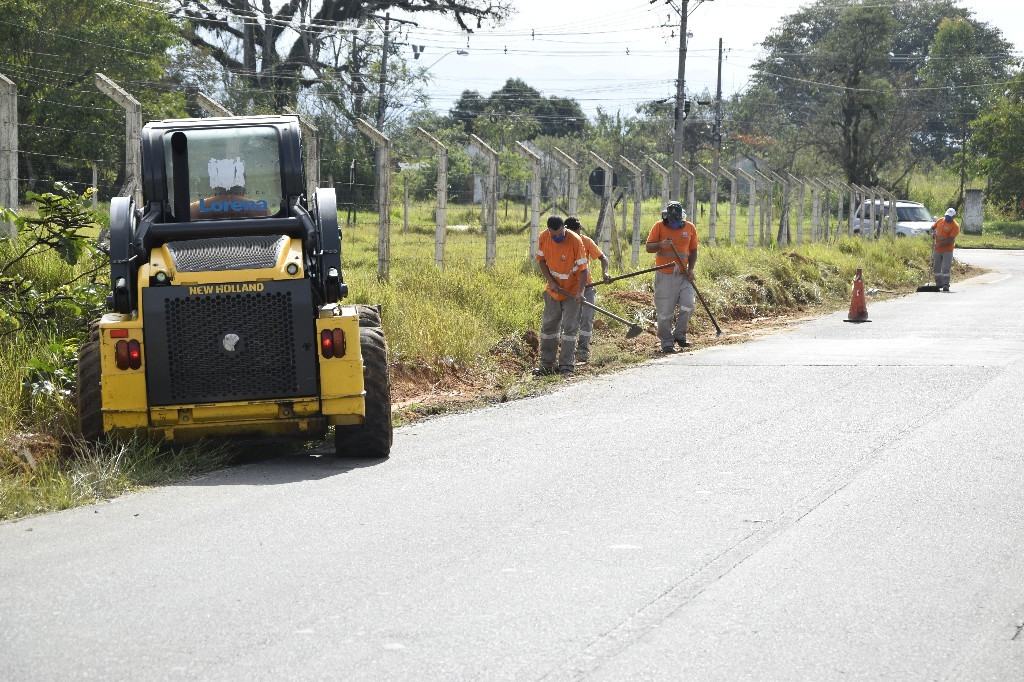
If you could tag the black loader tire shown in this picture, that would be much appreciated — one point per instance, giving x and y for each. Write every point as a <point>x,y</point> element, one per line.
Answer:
<point>369,315</point>
<point>89,396</point>
<point>371,439</point>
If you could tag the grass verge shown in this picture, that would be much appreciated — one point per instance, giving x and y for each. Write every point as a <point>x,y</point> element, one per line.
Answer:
<point>34,482</point>
<point>461,336</point>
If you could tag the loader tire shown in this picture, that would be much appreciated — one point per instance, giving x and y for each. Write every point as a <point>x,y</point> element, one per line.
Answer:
<point>372,438</point>
<point>89,395</point>
<point>369,315</point>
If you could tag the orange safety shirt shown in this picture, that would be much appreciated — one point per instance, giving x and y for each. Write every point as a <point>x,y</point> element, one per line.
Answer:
<point>593,253</point>
<point>944,230</point>
<point>684,238</point>
<point>566,261</point>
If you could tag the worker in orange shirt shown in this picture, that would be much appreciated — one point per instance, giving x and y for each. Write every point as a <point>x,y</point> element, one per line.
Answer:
<point>589,294</point>
<point>673,289</point>
<point>563,262</point>
<point>944,233</point>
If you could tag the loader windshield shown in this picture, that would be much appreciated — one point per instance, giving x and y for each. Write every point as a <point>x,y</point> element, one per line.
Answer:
<point>229,172</point>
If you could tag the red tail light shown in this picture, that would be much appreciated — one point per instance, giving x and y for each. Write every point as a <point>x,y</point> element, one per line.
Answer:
<point>339,342</point>
<point>327,343</point>
<point>119,333</point>
<point>332,343</point>
<point>121,355</point>
<point>134,354</point>
<point>128,354</point>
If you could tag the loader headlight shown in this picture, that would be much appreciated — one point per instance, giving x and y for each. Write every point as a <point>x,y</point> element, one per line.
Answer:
<point>161,277</point>
<point>292,269</point>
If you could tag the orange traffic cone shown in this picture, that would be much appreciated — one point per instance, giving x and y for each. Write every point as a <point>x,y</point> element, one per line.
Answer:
<point>858,306</point>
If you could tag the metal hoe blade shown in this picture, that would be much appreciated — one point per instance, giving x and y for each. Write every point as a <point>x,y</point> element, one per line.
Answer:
<point>634,330</point>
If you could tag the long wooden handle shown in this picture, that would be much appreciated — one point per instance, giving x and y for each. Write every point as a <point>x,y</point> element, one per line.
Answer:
<point>630,274</point>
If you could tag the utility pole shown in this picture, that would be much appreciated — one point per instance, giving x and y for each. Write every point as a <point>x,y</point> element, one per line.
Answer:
<point>717,139</point>
<point>680,110</point>
<point>381,90</point>
<point>377,151</point>
<point>383,72</point>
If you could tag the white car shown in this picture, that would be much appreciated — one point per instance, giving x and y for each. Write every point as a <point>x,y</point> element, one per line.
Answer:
<point>912,218</point>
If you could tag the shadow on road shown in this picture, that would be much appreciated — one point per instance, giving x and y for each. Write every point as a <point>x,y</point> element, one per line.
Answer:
<point>278,463</point>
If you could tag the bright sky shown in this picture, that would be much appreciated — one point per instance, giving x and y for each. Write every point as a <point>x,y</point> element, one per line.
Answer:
<point>616,53</point>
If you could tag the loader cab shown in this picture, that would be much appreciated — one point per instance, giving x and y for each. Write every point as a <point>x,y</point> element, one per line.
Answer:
<point>236,178</point>
<point>222,168</point>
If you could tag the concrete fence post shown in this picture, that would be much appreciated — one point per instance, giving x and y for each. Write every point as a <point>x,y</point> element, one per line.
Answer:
<point>491,226</point>
<point>872,197</point>
<point>691,204</point>
<point>826,209</point>
<point>535,161</point>
<point>8,148</point>
<point>856,195</point>
<point>973,222</point>
<point>733,197</point>
<point>383,143</point>
<point>751,202</point>
<point>638,198</point>
<point>663,172</point>
<point>801,190</point>
<point>574,179</point>
<point>441,210</point>
<point>766,220</point>
<point>212,106</point>
<point>712,202</point>
<point>132,136</point>
<point>815,211</point>
<point>782,236</point>
<point>840,200</point>
<point>607,206</point>
<point>860,197</point>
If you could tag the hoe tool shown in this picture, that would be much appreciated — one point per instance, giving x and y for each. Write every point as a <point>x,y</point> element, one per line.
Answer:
<point>718,330</point>
<point>630,274</point>
<point>634,329</point>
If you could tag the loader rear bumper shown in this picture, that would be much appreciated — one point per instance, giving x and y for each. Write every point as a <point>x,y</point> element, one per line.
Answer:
<point>298,418</point>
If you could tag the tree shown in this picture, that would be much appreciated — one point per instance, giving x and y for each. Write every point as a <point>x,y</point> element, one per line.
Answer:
<point>998,139</point>
<point>275,53</point>
<point>519,107</point>
<point>849,77</point>
<point>470,105</point>
<point>53,50</point>
<point>959,81</point>
<point>828,72</point>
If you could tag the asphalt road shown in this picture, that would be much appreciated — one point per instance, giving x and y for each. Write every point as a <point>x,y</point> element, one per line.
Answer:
<point>834,501</point>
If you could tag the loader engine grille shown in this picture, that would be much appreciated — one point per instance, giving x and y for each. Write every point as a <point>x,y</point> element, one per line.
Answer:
<point>227,253</point>
<point>229,342</point>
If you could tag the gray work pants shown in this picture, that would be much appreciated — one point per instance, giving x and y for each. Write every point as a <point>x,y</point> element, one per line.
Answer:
<point>942,262</point>
<point>672,291</point>
<point>586,325</point>
<point>558,316</point>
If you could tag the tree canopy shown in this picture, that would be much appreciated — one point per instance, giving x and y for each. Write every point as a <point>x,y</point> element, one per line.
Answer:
<point>518,106</point>
<point>849,79</point>
<point>276,52</point>
<point>52,50</point>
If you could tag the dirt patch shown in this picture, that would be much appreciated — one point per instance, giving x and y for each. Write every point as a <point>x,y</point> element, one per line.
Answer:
<point>505,372</point>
